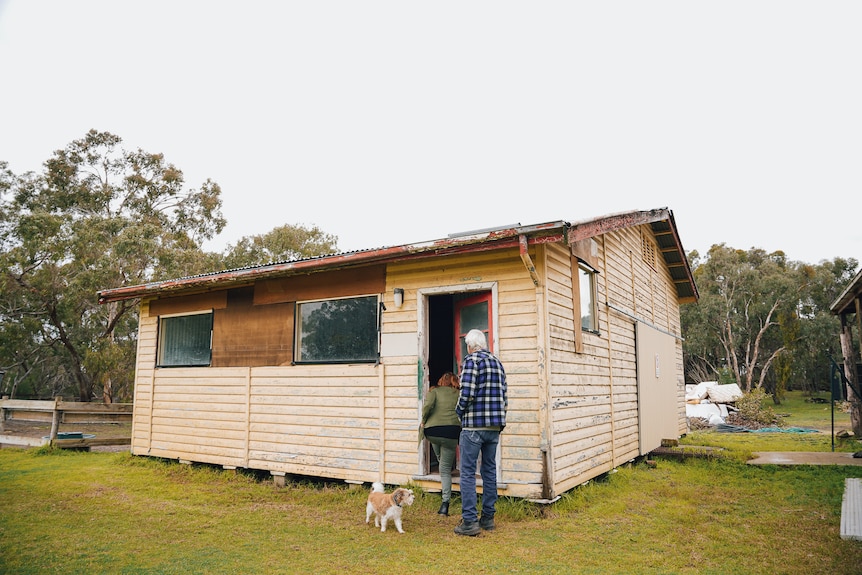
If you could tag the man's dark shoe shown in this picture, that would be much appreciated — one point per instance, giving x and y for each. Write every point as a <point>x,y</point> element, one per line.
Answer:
<point>487,523</point>
<point>468,528</point>
<point>444,508</point>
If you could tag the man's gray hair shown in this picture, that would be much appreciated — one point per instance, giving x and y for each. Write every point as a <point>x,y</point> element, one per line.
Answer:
<point>475,339</point>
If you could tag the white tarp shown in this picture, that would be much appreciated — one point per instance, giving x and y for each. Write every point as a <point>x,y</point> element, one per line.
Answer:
<point>708,400</point>
<point>699,391</point>
<point>714,413</point>
<point>724,393</point>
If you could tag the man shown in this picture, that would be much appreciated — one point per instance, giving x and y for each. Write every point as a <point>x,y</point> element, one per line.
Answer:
<point>481,408</point>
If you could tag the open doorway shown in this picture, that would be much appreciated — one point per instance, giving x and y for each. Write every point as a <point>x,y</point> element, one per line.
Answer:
<point>449,317</point>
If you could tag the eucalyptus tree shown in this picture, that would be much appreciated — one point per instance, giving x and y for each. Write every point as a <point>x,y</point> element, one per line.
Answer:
<point>819,342</point>
<point>97,216</point>
<point>282,243</point>
<point>763,321</point>
<point>745,298</point>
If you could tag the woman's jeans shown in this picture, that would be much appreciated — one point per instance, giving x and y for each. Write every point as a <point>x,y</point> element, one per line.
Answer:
<point>444,449</point>
<point>474,443</point>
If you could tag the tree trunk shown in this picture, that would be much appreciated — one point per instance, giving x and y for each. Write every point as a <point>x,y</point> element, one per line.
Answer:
<point>107,390</point>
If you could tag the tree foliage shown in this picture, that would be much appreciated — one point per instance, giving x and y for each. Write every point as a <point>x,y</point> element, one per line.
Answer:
<point>99,216</point>
<point>762,319</point>
<point>283,243</point>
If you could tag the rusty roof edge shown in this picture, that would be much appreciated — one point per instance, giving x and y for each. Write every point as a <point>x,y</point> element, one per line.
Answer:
<point>456,243</point>
<point>616,221</point>
<point>620,220</point>
<point>332,261</point>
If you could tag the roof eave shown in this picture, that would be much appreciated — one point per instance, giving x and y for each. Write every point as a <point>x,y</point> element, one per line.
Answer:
<point>661,220</point>
<point>663,224</point>
<point>844,304</point>
<point>496,239</point>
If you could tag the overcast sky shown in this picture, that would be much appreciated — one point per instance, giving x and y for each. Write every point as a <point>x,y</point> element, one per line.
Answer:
<point>387,123</point>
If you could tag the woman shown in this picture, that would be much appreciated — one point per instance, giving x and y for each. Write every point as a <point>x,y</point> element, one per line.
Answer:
<point>442,429</point>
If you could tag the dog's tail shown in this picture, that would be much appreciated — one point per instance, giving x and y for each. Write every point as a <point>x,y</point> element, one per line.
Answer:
<point>377,486</point>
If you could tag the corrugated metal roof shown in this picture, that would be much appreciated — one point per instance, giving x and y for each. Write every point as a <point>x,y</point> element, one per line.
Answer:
<point>661,220</point>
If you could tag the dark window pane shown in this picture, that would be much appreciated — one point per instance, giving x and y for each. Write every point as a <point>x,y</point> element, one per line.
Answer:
<point>338,330</point>
<point>475,317</point>
<point>186,340</point>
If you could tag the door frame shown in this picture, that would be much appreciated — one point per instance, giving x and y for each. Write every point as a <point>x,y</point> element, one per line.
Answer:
<point>422,314</point>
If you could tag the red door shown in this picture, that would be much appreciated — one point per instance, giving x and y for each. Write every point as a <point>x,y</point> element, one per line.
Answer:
<point>473,312</point>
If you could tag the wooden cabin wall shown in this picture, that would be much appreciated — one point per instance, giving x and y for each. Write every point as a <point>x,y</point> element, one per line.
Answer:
<point>593,395</point>
<point>581,402</point>
<point>516,346</point>
<point>574,415</point>
<point>621,285</point>
<point>317,420</point>
<point>145,361</point>
<point>356,422</point>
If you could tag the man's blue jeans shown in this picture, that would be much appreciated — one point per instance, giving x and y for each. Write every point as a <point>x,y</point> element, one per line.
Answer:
<point>473,443</point>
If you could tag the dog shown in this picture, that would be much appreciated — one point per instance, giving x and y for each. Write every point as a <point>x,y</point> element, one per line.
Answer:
<point>385,506</point>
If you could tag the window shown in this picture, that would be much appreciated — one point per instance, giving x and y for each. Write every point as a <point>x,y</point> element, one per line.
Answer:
<point>473,312</point>
<point>589,310</point>
<point>337,330</point>
<point>185,340</point>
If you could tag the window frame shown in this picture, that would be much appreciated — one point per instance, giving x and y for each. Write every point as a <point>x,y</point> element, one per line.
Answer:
<point>298,334</point>
<point>586,271</point>
<point>162,337</point>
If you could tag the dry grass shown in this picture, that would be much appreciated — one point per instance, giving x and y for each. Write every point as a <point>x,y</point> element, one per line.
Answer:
<point>65,512</point>
<point>115,513</point>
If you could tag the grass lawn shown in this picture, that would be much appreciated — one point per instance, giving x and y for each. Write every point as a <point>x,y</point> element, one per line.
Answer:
<point>69,512</point>
<point>796,412</point>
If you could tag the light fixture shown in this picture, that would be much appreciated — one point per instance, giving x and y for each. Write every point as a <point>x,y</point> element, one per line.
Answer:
<point>399,297</point>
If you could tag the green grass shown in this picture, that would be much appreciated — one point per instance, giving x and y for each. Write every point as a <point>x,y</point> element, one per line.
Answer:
<point>800,411</point>
<point>796,411</point>
<point>71,512</point>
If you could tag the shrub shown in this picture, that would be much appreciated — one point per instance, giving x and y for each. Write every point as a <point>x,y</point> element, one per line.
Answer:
<point>752,413</point>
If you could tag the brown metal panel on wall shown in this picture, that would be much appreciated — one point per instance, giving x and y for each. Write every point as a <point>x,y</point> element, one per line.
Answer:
<point>246,335</point>
<point>322,285</point>
<point>188,303</point>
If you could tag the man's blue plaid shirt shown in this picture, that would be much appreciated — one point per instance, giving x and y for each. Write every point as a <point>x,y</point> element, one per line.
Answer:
<point>483,400</point>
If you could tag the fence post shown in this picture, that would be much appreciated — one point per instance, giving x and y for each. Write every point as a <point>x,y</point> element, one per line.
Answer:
<point>55,420</point>
<point>3,416</point>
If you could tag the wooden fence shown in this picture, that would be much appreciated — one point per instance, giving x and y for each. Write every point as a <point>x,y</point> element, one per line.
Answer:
<point>58,411</point>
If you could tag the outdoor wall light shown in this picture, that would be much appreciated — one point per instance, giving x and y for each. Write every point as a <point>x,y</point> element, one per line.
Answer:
<point>399,297</point>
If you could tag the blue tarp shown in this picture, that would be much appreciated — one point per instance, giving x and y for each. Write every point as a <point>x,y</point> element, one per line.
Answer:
<point>727,428</point>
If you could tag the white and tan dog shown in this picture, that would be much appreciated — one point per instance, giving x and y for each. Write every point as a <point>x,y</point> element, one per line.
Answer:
<point>386,506</point>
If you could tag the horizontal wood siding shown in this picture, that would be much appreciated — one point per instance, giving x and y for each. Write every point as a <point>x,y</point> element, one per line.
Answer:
<point>319,420</point>
<point>580,385</point>
<point>145,359</point>
<point>594,399</point>
<point>199,414</point>
<point>401,420</point>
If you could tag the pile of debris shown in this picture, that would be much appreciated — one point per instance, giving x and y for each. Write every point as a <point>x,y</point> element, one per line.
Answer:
<point>708,404</point>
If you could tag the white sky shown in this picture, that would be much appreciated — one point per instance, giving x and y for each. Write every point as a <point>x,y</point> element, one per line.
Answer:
<point>386,123</point>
